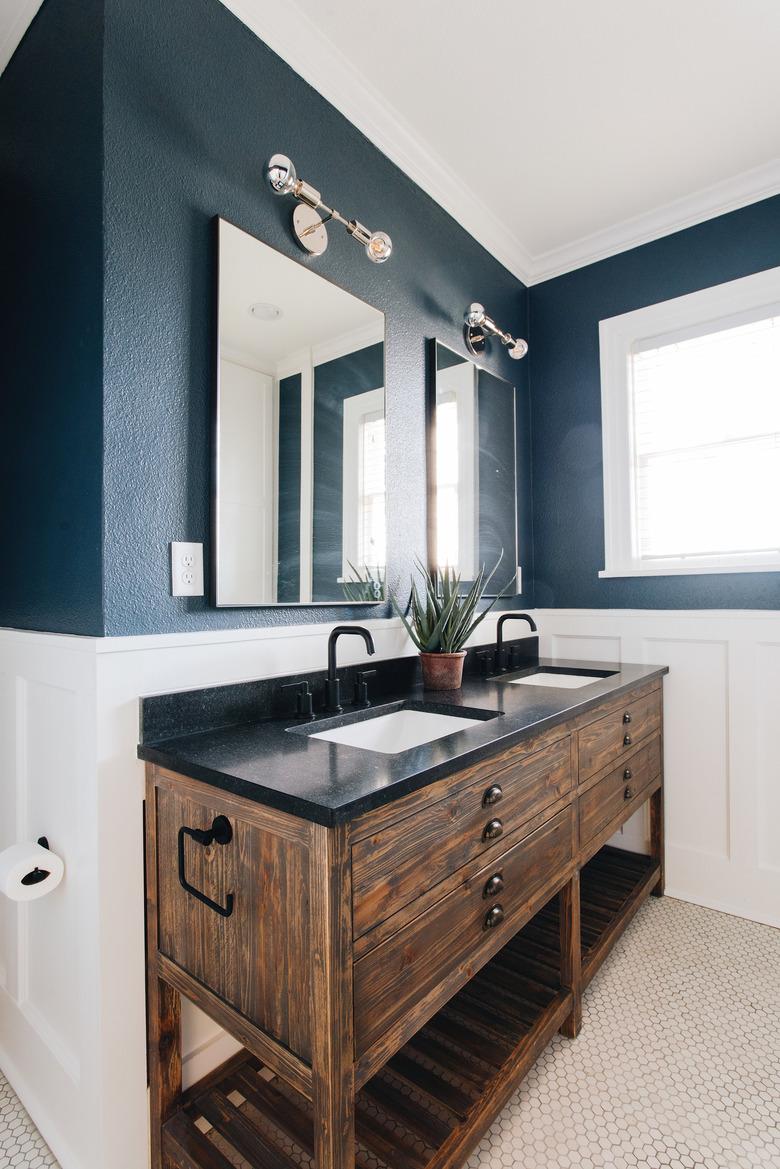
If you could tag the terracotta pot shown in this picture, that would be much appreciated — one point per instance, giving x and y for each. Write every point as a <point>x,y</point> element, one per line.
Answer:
<point>442,671</point>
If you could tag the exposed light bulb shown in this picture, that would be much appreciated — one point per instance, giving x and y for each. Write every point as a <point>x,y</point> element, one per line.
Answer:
<point>379,247</point>
<point>282,175</point>
<point>519,349</point>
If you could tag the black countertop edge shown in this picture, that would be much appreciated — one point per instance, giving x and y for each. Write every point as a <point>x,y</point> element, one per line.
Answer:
<point>180,755</point>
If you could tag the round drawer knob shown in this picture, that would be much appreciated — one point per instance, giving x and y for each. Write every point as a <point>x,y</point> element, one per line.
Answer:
<point>493,794</point>
<point>626,740</point>
<point>493,830</point>
<point>494,886</point>
<point>494,917</point>
<point>626,717</point>
<point>628,773</point>
<point>628,794</point>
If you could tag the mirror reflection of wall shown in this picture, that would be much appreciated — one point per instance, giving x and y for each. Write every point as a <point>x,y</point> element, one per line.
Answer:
<point>473,480</point>
<point>300,434</point>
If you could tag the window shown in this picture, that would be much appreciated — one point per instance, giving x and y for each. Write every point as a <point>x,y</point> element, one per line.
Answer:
<point>691,422</point>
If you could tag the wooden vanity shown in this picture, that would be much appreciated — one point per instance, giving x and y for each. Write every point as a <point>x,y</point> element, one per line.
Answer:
<point>391,978</point>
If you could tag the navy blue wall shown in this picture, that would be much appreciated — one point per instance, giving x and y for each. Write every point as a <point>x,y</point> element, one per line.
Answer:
<point>566,406</point>
<point>194,105</point>
<point>288,581</point>
<point>51,307</point>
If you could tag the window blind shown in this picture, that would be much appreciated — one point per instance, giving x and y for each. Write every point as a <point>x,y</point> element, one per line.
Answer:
<point>705,430</point>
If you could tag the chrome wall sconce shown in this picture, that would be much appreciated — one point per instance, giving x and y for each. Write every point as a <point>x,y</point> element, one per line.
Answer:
<point>311,215</point>
<point>479,326</point>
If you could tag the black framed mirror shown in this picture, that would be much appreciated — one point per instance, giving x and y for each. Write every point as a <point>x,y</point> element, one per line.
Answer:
<point>472,469</point>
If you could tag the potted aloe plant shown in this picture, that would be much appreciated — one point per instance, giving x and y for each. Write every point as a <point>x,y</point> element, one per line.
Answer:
<point>441,621</point>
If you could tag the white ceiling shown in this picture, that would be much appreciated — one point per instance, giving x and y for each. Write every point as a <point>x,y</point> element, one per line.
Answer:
<point>556,131</point>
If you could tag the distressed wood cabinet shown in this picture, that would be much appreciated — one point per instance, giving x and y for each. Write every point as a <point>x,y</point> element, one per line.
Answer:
<point>391,979</point>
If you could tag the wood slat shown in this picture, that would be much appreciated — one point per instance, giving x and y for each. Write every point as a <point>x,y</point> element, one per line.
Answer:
<point>454,1062</point>
<point>428,1083</point>
<point>239,1130</point>
<point>459,1033</point>
<point>291,1119</point>
<point>399,1107</point>
<point>185,1147</point>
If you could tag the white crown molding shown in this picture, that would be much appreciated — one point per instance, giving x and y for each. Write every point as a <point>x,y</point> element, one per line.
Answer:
<point>739,191</point>
<point>294,37</point>
<point>13,25</point>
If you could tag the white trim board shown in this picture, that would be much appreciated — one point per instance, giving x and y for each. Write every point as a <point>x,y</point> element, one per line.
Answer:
<point>751,186</point>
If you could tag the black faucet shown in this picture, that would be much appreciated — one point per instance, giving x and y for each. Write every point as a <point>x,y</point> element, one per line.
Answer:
<point>333,684</point>
<point>500,664</point>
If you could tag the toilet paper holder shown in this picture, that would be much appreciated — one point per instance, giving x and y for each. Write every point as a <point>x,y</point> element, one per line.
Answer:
<point>36,875</point>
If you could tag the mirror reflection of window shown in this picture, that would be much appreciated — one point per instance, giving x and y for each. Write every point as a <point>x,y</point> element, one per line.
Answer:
<point>475,481</point>
<point>300,454</point>
<point>364,483</point>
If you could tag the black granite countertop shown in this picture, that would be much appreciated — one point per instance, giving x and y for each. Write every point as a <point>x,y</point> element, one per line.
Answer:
<point>276,762</point>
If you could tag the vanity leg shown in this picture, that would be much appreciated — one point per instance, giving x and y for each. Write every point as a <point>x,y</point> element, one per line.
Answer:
<point>333,1078</point>
<point>163,1008</point>
<point>657,836</point>
<point>164,1056</point>
<point>571,953</point>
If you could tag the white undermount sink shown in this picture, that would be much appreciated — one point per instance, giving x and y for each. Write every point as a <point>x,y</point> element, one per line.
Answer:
<point>399,731</point>
<point>561,681</point>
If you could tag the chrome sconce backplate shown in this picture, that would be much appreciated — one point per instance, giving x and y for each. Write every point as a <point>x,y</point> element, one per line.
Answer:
<point>478,326</point>
<point>310,230</point>
<point>311,215</point>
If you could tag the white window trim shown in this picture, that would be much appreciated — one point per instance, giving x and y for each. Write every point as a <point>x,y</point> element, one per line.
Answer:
<point>356,408</point>
<point>617,338</point>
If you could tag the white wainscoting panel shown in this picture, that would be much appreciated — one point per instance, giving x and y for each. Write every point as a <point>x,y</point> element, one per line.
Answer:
<point>767,764</point>
<point>721,719</point>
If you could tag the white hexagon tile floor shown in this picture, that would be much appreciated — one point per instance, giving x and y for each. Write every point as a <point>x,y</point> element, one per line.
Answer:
<point>21,1145</point>
<point>677,1066</point>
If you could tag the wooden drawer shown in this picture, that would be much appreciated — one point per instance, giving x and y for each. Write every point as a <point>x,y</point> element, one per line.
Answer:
<point>398,974</point>
<point>608,799</point>
<point>616,733</point>
<point>257,958</point>
<point>393,867</point>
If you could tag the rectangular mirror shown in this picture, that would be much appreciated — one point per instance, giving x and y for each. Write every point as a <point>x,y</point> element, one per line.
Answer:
<point>299,506</point>
<point>472,469</point>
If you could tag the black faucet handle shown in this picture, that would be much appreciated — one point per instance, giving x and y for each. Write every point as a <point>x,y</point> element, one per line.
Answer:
<point>361,687</point>
<point>485,657</point>
<point>304,702</point>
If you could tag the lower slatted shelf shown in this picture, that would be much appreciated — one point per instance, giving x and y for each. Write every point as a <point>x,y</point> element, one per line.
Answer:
<point>432,1100</point>
<point>419,1103</point>
<point>613,885</point>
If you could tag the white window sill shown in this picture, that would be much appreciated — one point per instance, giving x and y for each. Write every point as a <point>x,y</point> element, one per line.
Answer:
<point>687,570</point>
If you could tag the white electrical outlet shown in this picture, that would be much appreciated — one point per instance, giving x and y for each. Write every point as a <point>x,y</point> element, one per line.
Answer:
<point>186,569</point>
